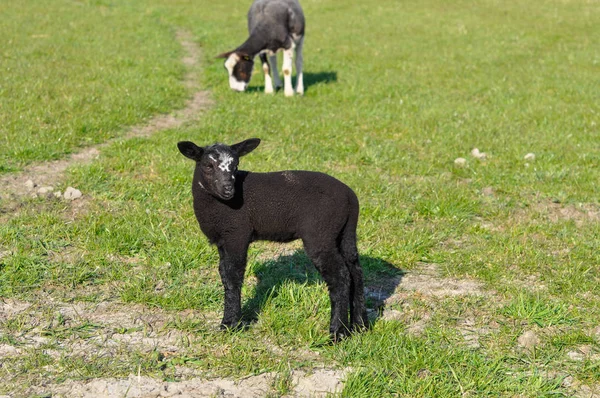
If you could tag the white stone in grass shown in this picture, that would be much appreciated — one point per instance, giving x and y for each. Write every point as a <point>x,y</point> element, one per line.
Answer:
<point>477,154</point>
<point>58,194</point>
<point>72,193</point>
<point>45,190</point>
<point>30,184</point>
<point>575,355</point>
<point>530,157</point>
<point>460,162</point>
<point>528,340</point>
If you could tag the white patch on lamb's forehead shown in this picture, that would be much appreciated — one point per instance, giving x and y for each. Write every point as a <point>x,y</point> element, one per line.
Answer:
<point>225,161</point>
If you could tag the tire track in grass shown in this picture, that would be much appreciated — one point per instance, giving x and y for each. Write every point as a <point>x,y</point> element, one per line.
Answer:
<point>47,174</point>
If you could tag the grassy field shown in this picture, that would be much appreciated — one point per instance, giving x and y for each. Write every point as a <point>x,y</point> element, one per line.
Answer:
<point>395,92</point>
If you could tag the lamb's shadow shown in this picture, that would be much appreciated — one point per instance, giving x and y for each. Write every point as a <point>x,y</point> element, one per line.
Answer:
<point>310,79</point>
<point>381,280</point>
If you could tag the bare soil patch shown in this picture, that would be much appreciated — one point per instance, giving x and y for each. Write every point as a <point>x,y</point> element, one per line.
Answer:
<point>317,383</point>
<point>428,281</point>
<point>580,213</point>
<point>411,297</point>
<point>425,281</point>
<point>115,330</point>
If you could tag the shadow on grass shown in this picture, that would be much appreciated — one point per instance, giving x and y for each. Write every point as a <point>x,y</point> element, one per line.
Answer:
<point>310,79</point>
<point>381,280</point>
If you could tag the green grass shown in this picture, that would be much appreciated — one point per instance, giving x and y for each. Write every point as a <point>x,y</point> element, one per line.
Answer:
<point>75,73</point>
<point>395,91</point>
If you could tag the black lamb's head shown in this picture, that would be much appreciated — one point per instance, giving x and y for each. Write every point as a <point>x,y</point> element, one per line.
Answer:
<point>217,165</point>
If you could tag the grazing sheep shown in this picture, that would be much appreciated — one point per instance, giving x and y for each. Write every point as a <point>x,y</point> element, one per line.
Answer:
<point>235,208</point>
<point>273,25</point>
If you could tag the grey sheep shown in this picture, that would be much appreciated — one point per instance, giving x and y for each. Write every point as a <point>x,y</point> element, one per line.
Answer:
<point>273,25</point>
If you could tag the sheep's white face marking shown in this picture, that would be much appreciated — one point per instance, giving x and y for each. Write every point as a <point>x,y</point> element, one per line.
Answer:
<point>230,62</point>
<point>234,83</point>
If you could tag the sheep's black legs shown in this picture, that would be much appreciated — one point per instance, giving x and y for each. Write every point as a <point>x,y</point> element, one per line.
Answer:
<point>330,264</point>
<point>358,311</point>
<point>231,268</point>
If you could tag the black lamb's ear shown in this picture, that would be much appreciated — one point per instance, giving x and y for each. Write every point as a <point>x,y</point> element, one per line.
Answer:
<point>190,150</point>
<point>245,147</point>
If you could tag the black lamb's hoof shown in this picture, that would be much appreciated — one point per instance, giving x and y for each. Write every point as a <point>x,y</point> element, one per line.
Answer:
<point>231,326</point>
<point>339,335</point>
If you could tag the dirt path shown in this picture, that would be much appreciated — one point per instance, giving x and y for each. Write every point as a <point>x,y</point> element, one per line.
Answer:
<point>15,185</point>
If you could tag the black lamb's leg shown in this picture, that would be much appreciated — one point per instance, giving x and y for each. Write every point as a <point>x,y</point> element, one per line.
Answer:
<point>330,264</point>
<point>232,266</point>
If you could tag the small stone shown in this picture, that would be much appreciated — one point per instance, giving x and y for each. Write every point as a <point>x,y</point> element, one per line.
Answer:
<point>477,154</point>
<point>460,162</point>
<point>528,340</point>
<point>72,193</point>
<point>575,356</point>
<point>530,157</point>
<point>45,190</point>
<point>58,194</point>
<point>30,184</point>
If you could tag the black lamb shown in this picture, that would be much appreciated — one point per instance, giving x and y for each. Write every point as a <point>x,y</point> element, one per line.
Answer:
<point>235,208</point>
